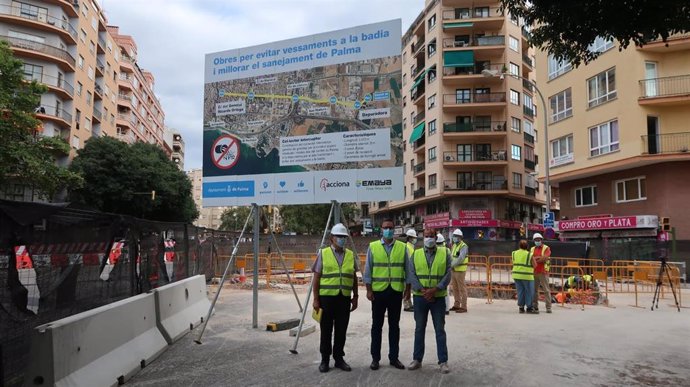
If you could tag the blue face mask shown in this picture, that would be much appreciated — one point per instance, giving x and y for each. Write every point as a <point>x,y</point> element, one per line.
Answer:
<point>340,241</point>
<point>537,243</point>
<point>388,233</point>
<point>456,240</point>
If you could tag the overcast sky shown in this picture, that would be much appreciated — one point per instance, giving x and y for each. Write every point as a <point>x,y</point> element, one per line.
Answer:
<point>174,35</point>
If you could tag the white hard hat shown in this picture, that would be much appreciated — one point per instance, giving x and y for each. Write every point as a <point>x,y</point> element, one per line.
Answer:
<point>411,233</point>
<point>537,236</point>
<point>339,229</point>
<point>440,238</point>
<point>457,232</point>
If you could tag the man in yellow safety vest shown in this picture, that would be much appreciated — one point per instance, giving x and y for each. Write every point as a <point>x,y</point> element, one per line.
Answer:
<point>429,275</point>
<point>541,254</point>
<point>523,276</point>
<point>335,291</point>
<point>385,279</point>
<point>459,265</point>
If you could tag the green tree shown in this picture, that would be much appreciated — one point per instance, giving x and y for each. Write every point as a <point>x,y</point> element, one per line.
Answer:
<point>120,177</point>
<point>26,156</point>
<point>567,28</point>
<point>312,218</point>
<point>233,219</point>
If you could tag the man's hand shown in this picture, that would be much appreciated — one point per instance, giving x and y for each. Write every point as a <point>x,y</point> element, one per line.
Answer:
<point>429,294</point>
<point>354,302</point>
<point>406,294</point>
<point>370,295</point>
<point>316,304</point>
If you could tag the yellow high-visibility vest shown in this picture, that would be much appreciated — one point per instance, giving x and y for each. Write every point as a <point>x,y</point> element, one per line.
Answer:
<point>456,250</point>
<point>429,277</point>
<point>522,265</point>
<point>387,270</point>
<point>336,279</point>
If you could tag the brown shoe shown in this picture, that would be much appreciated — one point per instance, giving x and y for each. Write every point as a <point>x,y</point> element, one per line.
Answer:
<point>461,310</point>
<point>455,308</point>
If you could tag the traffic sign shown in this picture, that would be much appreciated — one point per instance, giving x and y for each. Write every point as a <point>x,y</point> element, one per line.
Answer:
<point>549,219</point>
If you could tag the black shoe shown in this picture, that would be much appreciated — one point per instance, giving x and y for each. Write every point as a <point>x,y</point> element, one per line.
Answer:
<point>323,367</point>
<point>342,365</point>
<point>532,311</point>
<point>447,313</point>
<point>397,364</point>
<point>522,310</point>
<point>374,365</point>
<point>409,309</point>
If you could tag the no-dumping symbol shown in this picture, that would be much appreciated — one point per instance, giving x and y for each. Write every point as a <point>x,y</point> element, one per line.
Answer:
<point>225,152</point>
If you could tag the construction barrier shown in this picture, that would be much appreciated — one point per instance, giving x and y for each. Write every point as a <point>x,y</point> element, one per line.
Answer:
<point>100,347</point>
<point>181,306</point>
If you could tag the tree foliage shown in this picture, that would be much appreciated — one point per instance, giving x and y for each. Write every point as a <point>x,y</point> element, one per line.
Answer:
<point>26,156</point>
<point>119,178</point>
<point>233,219</point>
<point>567,28</point>
<point>312,218</point>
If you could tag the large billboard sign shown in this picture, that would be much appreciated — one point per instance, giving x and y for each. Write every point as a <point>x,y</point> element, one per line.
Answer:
<point>305,120</point>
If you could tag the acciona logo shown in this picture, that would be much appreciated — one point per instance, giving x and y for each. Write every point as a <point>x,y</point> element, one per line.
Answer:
<point>326,184</point>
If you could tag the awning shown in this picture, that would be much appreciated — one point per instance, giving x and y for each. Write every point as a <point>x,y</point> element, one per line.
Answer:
<point>458,59</point>
<point>419,79</point>
<point>457,25</point>
<point>417,132</point>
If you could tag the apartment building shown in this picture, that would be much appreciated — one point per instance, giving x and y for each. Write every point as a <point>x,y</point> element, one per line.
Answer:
<point>470,158</point>
<point>209,217</point>
<point>619,139</point>
<point>178,150</point>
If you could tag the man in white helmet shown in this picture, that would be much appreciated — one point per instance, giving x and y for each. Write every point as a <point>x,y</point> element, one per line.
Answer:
<point>335,291</point>
<point>459,264</point>
<point>541,253</point>
<point>411,244</point>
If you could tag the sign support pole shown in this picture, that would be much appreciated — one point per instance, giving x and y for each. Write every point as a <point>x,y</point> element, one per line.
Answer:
<point>255,287</point>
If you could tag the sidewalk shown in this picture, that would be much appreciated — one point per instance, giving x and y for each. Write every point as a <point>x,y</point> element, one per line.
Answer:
<point>492,345</point>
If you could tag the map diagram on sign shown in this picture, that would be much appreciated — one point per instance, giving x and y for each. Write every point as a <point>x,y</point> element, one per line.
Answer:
<point>341,116</point>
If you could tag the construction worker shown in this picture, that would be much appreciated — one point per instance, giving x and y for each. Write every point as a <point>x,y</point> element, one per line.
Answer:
<point>384,277</point>
<point>441,242</point>
<point>335,290</point>
<point>429,275</point>
<point>459,265</point>
<point>523,276</point>
<point>411,243</point>
<point>541,254</point>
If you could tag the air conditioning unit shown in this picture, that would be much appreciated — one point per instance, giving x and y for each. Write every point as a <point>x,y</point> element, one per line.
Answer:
<point>499,128</point>
<point>450,158</point>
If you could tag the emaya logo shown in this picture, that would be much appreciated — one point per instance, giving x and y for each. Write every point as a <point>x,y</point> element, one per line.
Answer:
<point>325,184</point>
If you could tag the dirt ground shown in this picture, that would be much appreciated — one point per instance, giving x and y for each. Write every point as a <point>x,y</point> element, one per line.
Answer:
<point>492,345</point>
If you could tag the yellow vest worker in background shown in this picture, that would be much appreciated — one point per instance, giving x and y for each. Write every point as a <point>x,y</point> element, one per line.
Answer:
<point>541,255</point>
<point>335,290</point>
<point>411,243</point>
<point>385,279</point>
<point>429,275</point>
<point>523,276</point>
<point>459,264</point>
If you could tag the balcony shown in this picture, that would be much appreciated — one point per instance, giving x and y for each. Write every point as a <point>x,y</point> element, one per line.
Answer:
<point>97,115</point>
<point>475,127</point>
<point>527,60</point>
<point>497,183</point>
<point>418,146</point>
<point>528,111</point>
<point>474,100</point>
<point>496,157</point>
<point>485,44</point>
<point>666,91</point>
<point>527,85</point>
<point>38,20</point>
<point>419,168</point>
<point>463,73</point>
<point>101,45</point>
<point>666,143</point>
<point>529,191</point>
<point>526,34</point>
<point>41,51</point>
<point>485,17</point>
<point>529,139</point>
<point>55,114</point>
<point>418,93</point>
<point>678,42</point>
<point>419,193</point>
<point>418,118</point>
<point>98,92</point>
<point>100,68</point>
<point>58,85</point>
<point>125,81</point>
<point>529,164</point>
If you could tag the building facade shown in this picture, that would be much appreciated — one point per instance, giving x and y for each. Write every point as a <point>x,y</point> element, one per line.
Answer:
<point>209,217</point>
<point>619,139</point>
<point>178,150</point>
<point>68,47</point>
<point>470,158</point>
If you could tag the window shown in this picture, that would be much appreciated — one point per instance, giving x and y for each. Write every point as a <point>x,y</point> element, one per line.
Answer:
<point>92,47</point>
<point>515,124</point>
<point>562,150</point>
<point>561,105</point>
<point>514,44</point>
<point>557,67</point>
<point>431,48</point>
<point>586,196</point>
<point>631,189</point>
<point>432,22</point>
<point>404,168</point>
<point>432,101</point>
<point>82,35</point>
<point>25,36</point>
<point>77,117</point>
<point>432,181</point>
<point>514,69</point>
<point>432,74</point>
<point>527,127</point>
<point>84,9</point>
<point>29,11</point>
<point>603,138</point>
<point>514,97</point>
<point>75,142</point>
<point>33,72</point>
<point>517,180</point>
<point>528,102</point>
<point>481,12</point>
<point>601,45</point>
<point>90,73</point>
<point>79,87</point>
<point>516,152</point>
<point>432,154</point>
<point>432,127</point>
<point>412,165</point>
<point>602,87</point>
<point>80,62</point>
<point>94,23</point>
<point>87,124</point>
<point>88,98</point>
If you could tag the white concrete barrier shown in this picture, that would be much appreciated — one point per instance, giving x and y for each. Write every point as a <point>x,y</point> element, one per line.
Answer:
<point>181,306</point>
<point>100,347</point>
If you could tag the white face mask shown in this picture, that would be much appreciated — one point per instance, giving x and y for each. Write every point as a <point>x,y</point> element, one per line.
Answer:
<point>537,243</point>
<point>429,242</point>
<point>456,240</point>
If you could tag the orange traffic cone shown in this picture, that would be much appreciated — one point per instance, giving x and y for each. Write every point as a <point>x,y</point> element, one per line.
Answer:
<point>243,277</point>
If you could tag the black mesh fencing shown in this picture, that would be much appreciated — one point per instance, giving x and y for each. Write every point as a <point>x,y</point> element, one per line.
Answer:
<point>56,261</point>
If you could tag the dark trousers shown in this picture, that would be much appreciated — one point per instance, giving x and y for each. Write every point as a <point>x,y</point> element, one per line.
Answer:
<point>422,307</point>
<point>336,314</point>
<point>389,301</point>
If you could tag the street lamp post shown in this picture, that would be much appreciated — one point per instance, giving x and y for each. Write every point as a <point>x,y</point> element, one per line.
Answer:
<point>494,73</point>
